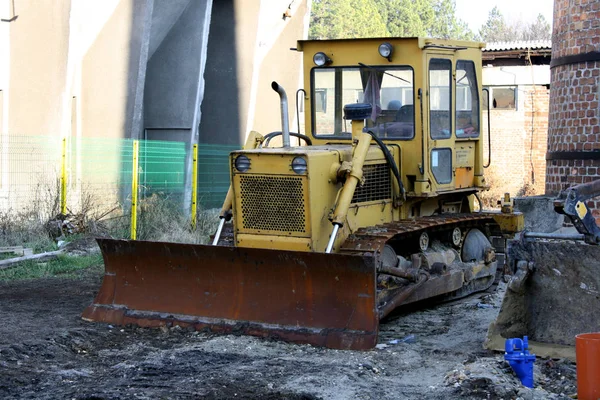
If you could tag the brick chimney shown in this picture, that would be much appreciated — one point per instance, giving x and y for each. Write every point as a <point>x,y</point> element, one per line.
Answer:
<point>574,117</point>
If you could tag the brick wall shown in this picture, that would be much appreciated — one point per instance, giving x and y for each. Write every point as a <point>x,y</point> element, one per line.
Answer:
<point>536,99</point>
<point>574,96</point>
<point>519,140</point>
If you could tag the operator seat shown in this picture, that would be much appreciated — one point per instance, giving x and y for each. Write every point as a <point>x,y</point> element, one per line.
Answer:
<point>406,113</point>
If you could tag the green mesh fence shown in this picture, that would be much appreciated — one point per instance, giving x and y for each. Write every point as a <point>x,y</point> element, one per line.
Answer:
<point>213,173</point>
<point>101,168</point>
<point>99,176</point>
<point>162,167</point>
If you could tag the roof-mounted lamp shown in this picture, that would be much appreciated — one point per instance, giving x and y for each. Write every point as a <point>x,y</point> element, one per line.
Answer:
<point>386,50</point>
<point>320,59</point>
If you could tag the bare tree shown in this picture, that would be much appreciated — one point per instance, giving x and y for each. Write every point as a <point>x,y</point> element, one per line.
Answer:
<point>496,29</point>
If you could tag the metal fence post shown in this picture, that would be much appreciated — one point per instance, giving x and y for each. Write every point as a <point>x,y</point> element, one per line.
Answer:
<point>63,178</point>
<point>194,185</point>
<point>134,191</point>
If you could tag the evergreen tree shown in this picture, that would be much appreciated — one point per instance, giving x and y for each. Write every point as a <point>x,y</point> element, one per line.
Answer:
<point>496,29</point>
<point>333,19</point>
<point>447,25</point>
<point>406,18</point>
<point>539,30</point>
<point>341,19</point>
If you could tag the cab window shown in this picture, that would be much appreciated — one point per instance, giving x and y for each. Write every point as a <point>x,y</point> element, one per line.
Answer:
<point>440,98</point>
<point>389,90</point>
<point>467,100</point>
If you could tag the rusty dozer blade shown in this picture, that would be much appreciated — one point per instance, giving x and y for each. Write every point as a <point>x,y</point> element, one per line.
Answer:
<point>323,299</point>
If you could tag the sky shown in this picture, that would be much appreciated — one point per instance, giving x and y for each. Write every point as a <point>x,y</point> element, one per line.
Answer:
<point>475,12</point>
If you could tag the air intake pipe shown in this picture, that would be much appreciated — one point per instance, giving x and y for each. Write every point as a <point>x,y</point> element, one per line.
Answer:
<point>285,120</point>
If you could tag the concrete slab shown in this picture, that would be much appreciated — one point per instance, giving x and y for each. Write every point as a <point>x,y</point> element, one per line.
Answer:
<point>539,213</point>
<point>553,296</point>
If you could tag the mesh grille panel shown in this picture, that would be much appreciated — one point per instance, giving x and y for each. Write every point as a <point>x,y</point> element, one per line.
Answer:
<point>378,185</point>
<point>273,203</point>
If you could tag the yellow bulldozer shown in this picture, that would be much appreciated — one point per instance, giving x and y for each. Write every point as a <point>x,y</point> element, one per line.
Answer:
<point>374,208</point>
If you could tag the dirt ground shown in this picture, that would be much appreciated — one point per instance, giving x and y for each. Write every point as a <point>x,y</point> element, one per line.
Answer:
<point>48,352</point>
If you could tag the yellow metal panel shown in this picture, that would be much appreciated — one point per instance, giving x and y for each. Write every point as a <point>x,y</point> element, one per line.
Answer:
<point>273,242</point>
<point>465,154</point>
<point>581,209</point>
<point>369,214</point>
<point>464,177</point>
<point>464,162</point>
<point>510,223</point>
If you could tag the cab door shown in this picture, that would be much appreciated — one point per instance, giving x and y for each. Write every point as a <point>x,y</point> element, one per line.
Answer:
<point>441,111</point>
<point>467,122</point>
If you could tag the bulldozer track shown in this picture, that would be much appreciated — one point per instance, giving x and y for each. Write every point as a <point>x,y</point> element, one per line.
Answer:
<point>373,239</point>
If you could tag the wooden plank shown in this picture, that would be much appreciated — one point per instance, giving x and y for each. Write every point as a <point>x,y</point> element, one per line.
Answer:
<point>11,262</point>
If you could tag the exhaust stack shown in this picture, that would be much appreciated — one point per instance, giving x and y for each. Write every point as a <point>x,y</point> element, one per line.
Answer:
<point>285,123</point>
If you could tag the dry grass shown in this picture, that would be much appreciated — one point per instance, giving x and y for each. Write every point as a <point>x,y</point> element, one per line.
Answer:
<point>163,219</point>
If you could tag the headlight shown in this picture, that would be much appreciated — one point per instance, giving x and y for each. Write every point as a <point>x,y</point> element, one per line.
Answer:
<point>299,165</point>
<point>385,50</point>
<point>242,163</point>
<point>321,59</point>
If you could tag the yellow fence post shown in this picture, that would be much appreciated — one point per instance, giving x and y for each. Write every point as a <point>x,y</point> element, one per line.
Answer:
<point>63,178</point>
<point>194,185</point>
<point>134,190</point>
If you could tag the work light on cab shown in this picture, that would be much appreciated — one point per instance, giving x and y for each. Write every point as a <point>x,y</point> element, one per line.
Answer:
<point>320,59</point>
<point>386,50</point>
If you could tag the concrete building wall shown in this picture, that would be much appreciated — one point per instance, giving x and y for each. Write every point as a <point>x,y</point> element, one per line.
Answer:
<point>109,60</point>
<point>574,129</point>
<point>34,46</point>
<point>105,76</point>
<point>248,55</point>
<point>173,77</point>
<point>228,73</point>
<point>38,58</point>
<point>278,63</point>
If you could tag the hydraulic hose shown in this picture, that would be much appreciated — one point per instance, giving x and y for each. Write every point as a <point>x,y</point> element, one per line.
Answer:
<point>271,135</point>
<point>391,163</point>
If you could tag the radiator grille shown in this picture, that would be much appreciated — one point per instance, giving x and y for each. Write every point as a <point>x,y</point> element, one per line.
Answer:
<point>273,203</point>
<point>378,185</point>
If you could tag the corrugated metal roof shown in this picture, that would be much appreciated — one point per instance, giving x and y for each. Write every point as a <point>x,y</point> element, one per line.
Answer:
<point>518,45</point>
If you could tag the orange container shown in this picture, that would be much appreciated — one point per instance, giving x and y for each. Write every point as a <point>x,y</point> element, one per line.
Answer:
<point>587,349</point>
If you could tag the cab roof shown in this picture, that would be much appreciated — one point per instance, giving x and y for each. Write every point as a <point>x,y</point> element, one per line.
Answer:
<point>421,41</point>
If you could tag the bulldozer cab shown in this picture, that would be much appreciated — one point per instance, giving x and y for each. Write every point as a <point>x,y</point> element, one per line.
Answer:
<point>425,96</point>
